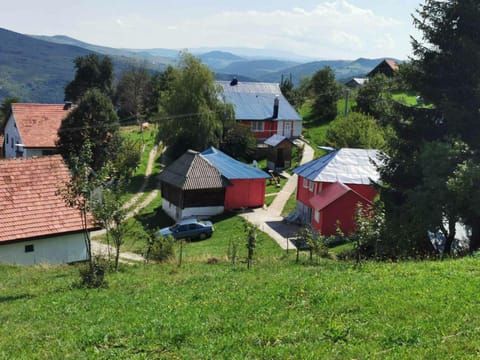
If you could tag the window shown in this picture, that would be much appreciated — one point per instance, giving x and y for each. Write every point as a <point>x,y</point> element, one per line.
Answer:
<point>29,248</point>
<point>305,183</point>
<point>7,138</point>
<point>257,125</point>
<point>310,186</point>
<point>317,216</point>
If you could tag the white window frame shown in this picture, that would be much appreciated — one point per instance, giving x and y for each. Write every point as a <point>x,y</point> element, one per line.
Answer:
<point>258,126</point>
<point>305,183</point>
<point>317,215</point>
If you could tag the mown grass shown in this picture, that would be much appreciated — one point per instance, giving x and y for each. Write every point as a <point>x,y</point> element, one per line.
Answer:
<point>277,310</point>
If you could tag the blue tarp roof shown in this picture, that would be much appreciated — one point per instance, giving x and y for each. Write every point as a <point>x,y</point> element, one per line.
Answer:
<point>254,101</point>
<point>231,168</point>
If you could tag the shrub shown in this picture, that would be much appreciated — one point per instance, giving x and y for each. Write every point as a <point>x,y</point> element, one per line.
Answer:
<point>161,249</point>
<point>94,277</point>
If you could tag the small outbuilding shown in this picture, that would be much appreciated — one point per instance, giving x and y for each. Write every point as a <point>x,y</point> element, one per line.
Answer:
<point>192,186</point>
<point>248,182</point>
<point>354,83</point>
<point>279,153</point>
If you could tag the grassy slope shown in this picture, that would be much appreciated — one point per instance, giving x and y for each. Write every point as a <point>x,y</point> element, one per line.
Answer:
<point>277,310</point>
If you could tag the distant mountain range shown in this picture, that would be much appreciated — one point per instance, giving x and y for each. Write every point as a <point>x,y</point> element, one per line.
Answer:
<point>36,68</point>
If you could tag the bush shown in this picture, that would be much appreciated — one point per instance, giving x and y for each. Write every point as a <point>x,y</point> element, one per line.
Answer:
<point>160,249</point>
<point>94,277</point>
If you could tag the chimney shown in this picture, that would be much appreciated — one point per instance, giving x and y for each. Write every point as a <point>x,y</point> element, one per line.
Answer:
<point>68,105</point>
<point>275,107</point>
<point>234,82</point>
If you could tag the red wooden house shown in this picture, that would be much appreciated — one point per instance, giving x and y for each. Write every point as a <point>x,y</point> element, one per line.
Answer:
<point>263,108</point>
<point>330,188</point>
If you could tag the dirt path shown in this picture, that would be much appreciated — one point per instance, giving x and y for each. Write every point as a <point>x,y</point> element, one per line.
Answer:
<point>99,248</point>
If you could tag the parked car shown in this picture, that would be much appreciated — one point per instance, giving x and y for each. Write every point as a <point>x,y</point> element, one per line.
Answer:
<point>189,229</point>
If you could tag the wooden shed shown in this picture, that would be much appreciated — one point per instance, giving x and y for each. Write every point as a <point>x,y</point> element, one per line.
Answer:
<point>279,153</point>
<point>192,186</point>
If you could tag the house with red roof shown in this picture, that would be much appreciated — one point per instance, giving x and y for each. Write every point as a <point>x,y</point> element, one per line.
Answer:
<point>386,67</point>
<point>31,130</point>
<point>330,188</point>
<point>36,226</point>
<point>208,183</point>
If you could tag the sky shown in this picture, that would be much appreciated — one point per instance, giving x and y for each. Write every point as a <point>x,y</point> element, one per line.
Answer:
<point>317,29</point>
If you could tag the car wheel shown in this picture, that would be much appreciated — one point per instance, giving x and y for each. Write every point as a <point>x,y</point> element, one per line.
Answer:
<point>203,236</point>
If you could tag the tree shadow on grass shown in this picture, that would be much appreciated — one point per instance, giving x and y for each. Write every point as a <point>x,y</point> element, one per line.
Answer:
<point>156,219</point>
<point>15,297</point>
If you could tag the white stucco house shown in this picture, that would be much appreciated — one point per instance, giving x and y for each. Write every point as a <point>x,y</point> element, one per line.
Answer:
<point>36,226</point>
<point>31,130</point>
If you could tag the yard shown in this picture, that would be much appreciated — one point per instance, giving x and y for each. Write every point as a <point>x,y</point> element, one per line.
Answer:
<point>279,309</point>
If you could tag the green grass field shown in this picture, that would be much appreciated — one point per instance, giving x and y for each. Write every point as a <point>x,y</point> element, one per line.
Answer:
<point>277,310</point>
<point>210,308</point>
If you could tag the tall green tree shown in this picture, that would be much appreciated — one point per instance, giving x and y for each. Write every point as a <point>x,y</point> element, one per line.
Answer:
<point>5,109</point>
<point>91,72</point>
<point>428,176</point>
<point>94,120</point>
<point>133,93</point>
<point>357,130</point>
<point>194,112</point>
<point>326,92</point>
<point>375,97</point>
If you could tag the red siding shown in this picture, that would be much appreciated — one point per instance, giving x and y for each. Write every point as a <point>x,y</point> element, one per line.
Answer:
<point>303,194</point>
<point>342,209</point>
<point>367,191</point>
<point>245,193</point>
<point>269,128</point>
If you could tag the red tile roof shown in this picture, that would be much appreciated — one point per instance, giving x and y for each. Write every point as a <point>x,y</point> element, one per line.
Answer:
<point>392,64</point>
<point>331,194</point>
<point>38,124</point>
<point>29,204</point>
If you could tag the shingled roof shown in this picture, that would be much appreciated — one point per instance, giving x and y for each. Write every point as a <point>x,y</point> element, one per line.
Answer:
<point>192,171</point>
<point>29,204</point>
<point>38,124</point>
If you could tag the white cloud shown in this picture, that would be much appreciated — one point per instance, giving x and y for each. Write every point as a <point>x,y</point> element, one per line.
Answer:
<point>331,29</point>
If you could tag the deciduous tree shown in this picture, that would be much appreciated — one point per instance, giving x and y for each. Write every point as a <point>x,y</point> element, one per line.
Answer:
<point>93,120</point>
<point>91,72</point>
<point>326,92</point>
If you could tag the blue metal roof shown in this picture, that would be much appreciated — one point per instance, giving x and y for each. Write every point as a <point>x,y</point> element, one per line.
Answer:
<point>274,140</point>
<point>254,101</point>
<point>231,168</point>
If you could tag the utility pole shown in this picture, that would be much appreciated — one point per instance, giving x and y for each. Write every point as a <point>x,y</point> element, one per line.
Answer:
<point>346,92</point>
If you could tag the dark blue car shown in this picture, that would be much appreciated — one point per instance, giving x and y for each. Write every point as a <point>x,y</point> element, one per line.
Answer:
<point>189,229</point>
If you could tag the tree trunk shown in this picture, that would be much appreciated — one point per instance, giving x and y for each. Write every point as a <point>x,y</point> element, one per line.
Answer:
<point>475,238</point>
